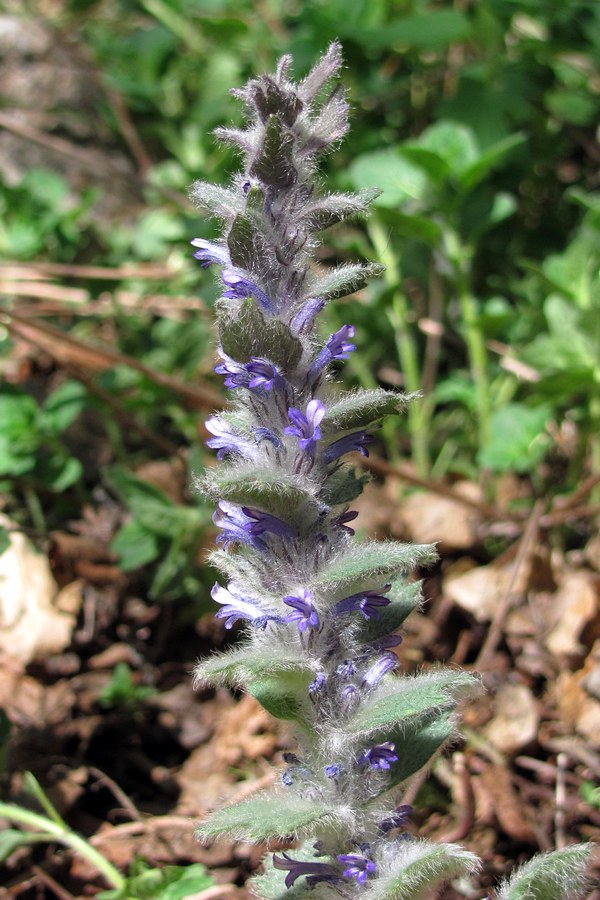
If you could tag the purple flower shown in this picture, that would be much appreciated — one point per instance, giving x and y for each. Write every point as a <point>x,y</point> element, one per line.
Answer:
<point>304,614</point>
<point>381,756</point>
<point>387,642</point>
<point>262,522</point>
<point>347,444</point>
<point>234,524</point>
<point>239,288</point>
<point>209,252</point>
<point>304,319</point>
<point>319,684</point>
<point>358,867</point>
<point>333,770</point>
<point>379,668</point>
<point>314,871</point>
<point>264,374</point>
<point>226,440</point>
<point>235,606</point>
<point>398,818</point>
<point>367,602</point>
<point>347,516</point>
<point>306,425</point>
<point>337,347</point>
<point>265,434</point>
<point>236,375</point>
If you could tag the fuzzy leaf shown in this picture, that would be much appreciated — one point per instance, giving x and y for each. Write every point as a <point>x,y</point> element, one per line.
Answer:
<point>283,694</point>
<point>405,597</point>
<point>373,560</point>
<point>560,875</point>
<point>412,699</point>
<point>361,408</point>
<point>241,242</point>
<point>415,746</point>
<point>265,817</point>
<point>274,165</point>
<point>343,280</point>
<point>246,333</point>
<point>272,492</point>
<point>237,667</point>
<point>343,486</point>
<point>222,202</point>
<point>327,211</point>
<point>416,868</point>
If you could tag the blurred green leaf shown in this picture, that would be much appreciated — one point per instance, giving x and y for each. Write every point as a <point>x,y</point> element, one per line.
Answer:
<point>399,179</point>
<point>518,438</point>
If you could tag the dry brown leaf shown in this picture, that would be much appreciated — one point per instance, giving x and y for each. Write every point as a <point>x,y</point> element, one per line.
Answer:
<point>577,705</point>
<point>507,805</point>
<point>574,606</point>
<point>31,626</point>
<point>430,518</point>
<point>481,589</point>
<point>515,718</point>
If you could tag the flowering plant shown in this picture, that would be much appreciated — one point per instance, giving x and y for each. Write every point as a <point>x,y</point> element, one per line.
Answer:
<point>320,609</point>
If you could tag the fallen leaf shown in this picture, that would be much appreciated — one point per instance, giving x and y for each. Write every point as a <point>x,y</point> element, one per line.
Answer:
<point>574,606</point>
<point>515,718</point>
<point>431,518</point>
<point>31,626</point>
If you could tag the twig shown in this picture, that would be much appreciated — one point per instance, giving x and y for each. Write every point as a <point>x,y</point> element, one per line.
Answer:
<point>560,837</point>
<point>131,421</point>
<point>526,547</point>
<point>117,792</point>
<point>199,397</point>
<point>150,271</point>
<point>464,800</point>
<point>60,892</point>
<point>381,467</point>
<point>156,823</point>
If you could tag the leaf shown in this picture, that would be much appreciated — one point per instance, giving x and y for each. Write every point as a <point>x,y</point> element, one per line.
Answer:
<point>152,509</point>
<point>343,280</point>
<point>273,492</point>
<point>490,158</point>
<point>361,408</point>
<point>334,208</point>
<point>399,179</point>
<point>11,839</point>
<point>283,695</point>
<point>415,745</point>
<point>246,333</point>
<point>416,868</point>
<point>63,406</point>
<point>241,242</point>
<point>274,165</point>
<point>235,668</point>
<point>405,597</point>
<point>452,142</point>
<point>518,438</point>
<point>413,698</point>
<point>4,539</point>
<point>343,486</point>
<point>134,546</point>
<point>375,559</point>
<point>221,201</point>
<point>262,818</point>
<point>431,30</point>
<point>560,875</point>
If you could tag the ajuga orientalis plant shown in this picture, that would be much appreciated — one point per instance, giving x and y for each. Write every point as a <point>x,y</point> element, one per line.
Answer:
<point>320,609</point>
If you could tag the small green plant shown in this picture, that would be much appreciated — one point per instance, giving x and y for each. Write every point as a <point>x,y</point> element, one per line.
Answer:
<point>122,692</point>
<point>142,882</point>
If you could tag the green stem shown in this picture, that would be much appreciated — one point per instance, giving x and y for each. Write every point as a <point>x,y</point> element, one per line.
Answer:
<point>475,340</point>
<point>57,832</point>
<point>405,344</point>
<point>35,508</point>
